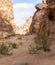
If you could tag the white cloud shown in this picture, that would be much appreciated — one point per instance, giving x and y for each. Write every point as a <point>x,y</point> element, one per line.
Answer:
<point>22,11</point>
<point>23,5</point>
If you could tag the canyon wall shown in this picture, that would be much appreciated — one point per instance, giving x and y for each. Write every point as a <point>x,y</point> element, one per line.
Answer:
<point>49,2</point>
<point>6,17</point>
<point>24,29</point>
<point>44,16</point>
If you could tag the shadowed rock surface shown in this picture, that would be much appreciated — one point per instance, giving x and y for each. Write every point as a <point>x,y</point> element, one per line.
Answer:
<point>44,17</point>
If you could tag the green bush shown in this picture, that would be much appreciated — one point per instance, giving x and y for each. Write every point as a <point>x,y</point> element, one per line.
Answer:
<point>46,48</point>
<point>41,42</point>
<point>12,35</point>
<point>14,45</point>
<point>4,49</point>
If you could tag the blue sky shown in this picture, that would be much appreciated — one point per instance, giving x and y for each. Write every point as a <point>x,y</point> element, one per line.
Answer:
<point>28,1</point>
<point>23,9</point>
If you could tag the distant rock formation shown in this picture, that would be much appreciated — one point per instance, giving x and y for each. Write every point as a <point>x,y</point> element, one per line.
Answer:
<point>44,17</point>
<point>25,28</point>
<point>6,17</point>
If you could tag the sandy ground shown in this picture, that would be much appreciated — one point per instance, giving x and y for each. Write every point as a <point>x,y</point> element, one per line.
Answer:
<point>22,54</point>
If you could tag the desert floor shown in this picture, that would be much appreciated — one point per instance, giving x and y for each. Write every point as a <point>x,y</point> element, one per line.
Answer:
<point>21,54</point>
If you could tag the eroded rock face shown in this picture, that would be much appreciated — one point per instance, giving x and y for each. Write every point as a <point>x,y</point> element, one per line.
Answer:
<point>44,16</point>
<point>6,17</point>
<point>24,29</point>
<point>38,19</point>
<point>49,2</point>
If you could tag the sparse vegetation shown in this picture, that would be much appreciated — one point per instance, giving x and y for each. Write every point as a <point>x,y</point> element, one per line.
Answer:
<point>12,35</point>
<point>41,43</point>
<point>13,45</point>
<point>19,37</point>
<point>4,49</point>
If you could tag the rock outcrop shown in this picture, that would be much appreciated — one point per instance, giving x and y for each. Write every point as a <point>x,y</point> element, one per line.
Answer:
<point>49,2</point>
<point>44,17</point>
<point>6,17</point>
<point>25,28</point>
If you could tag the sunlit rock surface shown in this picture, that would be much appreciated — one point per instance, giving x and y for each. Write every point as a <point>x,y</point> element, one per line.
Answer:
<point>25,28</point>
<point>49,2</point>
<point>6,17</point>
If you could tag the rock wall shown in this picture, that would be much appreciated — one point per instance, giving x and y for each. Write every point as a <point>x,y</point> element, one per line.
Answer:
<point>24,29</point>
<point>44,17</point>
<point>49,2</point>
<point>6,17</point>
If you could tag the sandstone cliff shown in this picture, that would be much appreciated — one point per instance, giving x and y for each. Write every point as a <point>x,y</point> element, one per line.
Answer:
<point>6,17</point>
<point>25,28</point>
<point>44,17</point>
<point>49,2</point>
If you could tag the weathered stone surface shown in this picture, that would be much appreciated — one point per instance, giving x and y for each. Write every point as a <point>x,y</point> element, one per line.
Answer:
<point>49,2</point>
<point>41,6</point>
<point>38,19</point>
<point>51,6</point>
<point>6,17</point>
<point>52,10</point>
<point>24,29</point>
<point>43,17</point>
